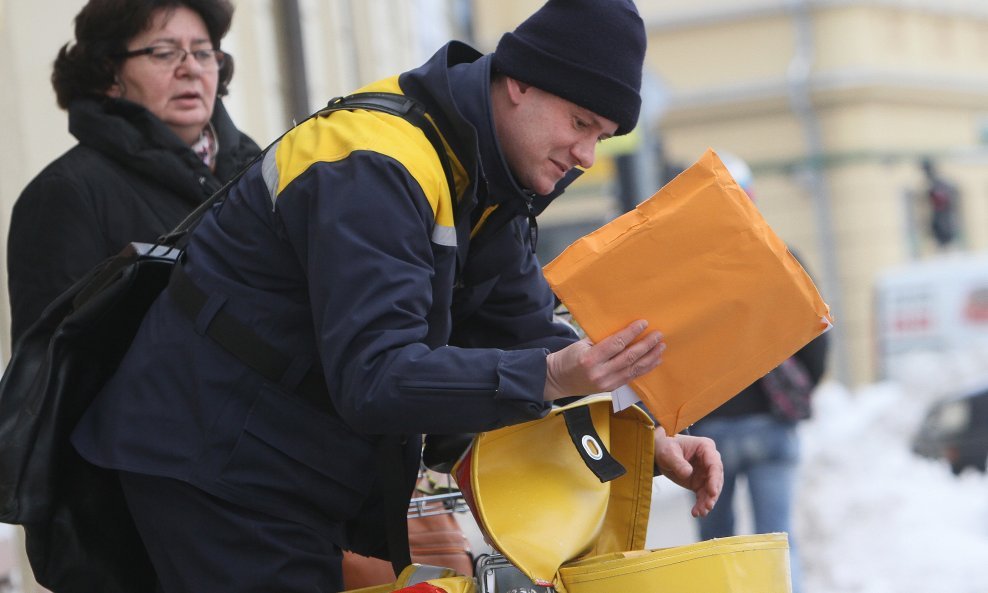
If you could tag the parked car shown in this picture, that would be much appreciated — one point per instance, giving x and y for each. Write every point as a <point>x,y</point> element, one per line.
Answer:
<point>956,429</point>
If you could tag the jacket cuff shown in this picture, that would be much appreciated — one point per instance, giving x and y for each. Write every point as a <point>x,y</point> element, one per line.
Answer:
<point>521,384</point>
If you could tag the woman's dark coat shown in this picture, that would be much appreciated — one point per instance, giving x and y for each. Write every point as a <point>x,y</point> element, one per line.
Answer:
<point>130,178</point>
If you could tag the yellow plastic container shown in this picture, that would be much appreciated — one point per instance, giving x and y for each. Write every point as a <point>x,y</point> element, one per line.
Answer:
<point>540,505</point>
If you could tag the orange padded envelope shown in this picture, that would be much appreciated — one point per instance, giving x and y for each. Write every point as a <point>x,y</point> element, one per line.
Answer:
<point>700,263</point>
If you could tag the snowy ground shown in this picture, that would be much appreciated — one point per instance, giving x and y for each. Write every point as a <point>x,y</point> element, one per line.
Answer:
<point>876,519</point>
<point>873,517</point>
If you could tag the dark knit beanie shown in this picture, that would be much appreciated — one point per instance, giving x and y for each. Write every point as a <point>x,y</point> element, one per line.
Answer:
<point>589,52</point>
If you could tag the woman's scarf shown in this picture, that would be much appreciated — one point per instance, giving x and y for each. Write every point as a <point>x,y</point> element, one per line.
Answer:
<point>207,146</point>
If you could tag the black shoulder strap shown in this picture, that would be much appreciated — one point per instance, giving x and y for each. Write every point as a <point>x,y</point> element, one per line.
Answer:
<point>401,106</point>
<point>409,109</point>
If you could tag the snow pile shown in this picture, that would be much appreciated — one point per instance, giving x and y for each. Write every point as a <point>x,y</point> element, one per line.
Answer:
<point>874,518</point>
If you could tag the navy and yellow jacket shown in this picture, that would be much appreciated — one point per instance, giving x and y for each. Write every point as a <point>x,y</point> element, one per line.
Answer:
<point>345,249</point>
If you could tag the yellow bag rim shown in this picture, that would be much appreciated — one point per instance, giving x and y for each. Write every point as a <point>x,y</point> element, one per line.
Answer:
<point>619,563</point>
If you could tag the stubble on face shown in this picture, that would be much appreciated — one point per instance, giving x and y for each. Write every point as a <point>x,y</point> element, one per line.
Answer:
<point>544,136</point>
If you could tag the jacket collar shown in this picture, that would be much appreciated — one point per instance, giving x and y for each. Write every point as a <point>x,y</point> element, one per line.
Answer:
<point>131,135</point>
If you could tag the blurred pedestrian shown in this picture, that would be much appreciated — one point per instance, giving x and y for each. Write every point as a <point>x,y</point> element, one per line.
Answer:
<point>755,432</point>
<point>141,85</point>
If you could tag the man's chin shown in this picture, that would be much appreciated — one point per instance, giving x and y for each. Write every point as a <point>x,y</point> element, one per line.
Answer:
<point>546,186</point>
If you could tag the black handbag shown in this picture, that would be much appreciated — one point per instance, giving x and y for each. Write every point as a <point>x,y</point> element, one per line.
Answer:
<point>80,537</point>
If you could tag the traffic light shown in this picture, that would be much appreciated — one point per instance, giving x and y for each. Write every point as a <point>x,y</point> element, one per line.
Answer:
<point>942,198</point>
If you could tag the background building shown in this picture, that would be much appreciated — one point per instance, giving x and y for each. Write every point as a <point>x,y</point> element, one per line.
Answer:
<point>834,103</point>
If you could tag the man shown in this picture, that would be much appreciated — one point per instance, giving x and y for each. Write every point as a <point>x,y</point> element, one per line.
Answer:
<point>421,306</point>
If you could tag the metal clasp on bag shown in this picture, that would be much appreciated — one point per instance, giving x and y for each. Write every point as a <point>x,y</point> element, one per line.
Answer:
<point>496,575</point>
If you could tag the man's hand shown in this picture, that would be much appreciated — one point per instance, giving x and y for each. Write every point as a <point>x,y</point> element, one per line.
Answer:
<point>693,463</point>
<point>583,368</point>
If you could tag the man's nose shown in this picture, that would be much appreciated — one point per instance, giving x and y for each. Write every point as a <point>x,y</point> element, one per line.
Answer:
<point>584,153</point>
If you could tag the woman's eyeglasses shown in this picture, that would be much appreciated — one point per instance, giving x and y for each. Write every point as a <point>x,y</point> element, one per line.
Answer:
<point>169,57</point>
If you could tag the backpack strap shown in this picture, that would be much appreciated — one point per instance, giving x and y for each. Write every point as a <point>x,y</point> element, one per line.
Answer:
<point>407,108</point>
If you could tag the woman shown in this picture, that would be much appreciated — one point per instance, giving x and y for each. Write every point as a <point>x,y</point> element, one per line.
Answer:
<point>141,85</point>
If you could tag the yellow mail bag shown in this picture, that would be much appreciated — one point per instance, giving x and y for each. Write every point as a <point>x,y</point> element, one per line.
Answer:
<point>538,503</point>
<point>745,563</point>
<point>566,500</point>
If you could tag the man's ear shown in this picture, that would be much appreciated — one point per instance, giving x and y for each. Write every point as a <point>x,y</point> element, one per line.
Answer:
<point>516,89</point>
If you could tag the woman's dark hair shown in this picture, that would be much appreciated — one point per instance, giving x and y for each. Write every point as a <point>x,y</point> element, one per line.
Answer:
<point>87,68</point>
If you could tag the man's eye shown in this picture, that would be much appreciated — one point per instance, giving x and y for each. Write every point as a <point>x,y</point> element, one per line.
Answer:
<point>579,123</point>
